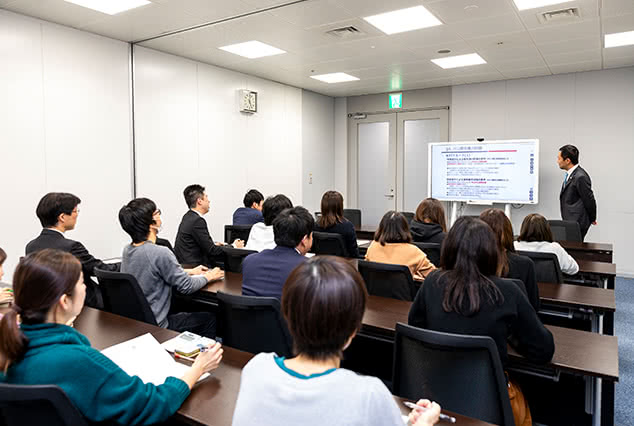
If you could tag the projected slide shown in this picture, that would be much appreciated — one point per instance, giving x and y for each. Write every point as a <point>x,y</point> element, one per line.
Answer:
<point>491,171</point>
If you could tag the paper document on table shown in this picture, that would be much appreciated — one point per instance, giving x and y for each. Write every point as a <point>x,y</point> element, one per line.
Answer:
<point>362,242</point>
<point>144,357</point>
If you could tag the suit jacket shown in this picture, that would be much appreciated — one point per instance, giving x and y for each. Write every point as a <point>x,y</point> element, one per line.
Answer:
<point>576,200</point>
<point>247,216</point>
<point>194,245</point>
<point>50,239</point>
<point>264,273</point>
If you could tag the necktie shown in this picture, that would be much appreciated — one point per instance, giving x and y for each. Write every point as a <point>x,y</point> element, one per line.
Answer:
<point>565,180</point>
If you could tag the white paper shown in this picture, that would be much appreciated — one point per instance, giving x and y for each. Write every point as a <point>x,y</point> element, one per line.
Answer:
<point>144,357</point>
<point>361,242</point>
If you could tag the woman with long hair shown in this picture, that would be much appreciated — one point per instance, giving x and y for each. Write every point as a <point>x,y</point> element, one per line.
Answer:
<point>429,224</point>
<point>45,349</point>
<point>333,221</point>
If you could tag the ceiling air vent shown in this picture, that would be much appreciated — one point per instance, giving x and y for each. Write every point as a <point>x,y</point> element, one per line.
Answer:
<point>345,32</point>
<point>570,14</point>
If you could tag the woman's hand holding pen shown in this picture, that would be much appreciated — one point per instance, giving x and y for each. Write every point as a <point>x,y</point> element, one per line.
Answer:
<point>427,416</point>
<point>207,360</point>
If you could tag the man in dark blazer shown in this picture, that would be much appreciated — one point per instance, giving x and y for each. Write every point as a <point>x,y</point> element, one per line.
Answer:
<point>576,199</point>
<point>264,273</point>
<point>58,213</point>
<point>251,213</point>
<point>194,246</point>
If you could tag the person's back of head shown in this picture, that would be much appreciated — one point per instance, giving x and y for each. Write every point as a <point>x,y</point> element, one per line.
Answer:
<point>393,228</point>
<point>468,256</point>
<point>503,231</point>
<point>331,209</point>
<point>292,226</point>
<point>323,301</point>
<point>430,210</point>
<point>253,196</point>
<point>39,282</point>
<point>192,193</point>
<point>273,206</point>
<point>570,152</point>
<point>52,205</point>
<point>535,227</point>
<point>137,217</point>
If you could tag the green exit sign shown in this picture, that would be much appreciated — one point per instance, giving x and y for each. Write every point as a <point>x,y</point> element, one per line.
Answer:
<point>396,100</point>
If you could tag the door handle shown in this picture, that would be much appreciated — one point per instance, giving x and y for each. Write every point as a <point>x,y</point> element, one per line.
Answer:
<point>389,195</point>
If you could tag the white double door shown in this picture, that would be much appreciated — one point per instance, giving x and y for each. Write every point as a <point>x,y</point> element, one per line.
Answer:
<point>389,152</point>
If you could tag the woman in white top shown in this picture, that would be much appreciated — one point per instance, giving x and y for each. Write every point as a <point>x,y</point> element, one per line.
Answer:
<point>323,301</point>
<point>261,236</point>
<point>535,235</point>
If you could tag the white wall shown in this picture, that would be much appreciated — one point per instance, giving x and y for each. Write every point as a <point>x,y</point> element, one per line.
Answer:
<point>341,147</point>
<point>592,110</point>
<point>318,148</point>
<point>64,126</point>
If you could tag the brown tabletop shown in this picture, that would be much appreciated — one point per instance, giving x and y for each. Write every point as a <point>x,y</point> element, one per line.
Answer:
<point>600,268</point>
<point>577,246</point>
<point>460,420</point>
<point>577,296</point>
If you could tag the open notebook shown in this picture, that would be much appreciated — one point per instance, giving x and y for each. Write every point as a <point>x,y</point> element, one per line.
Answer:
<point>144,357</point>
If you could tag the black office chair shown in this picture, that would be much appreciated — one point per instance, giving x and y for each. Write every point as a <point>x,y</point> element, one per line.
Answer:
<point>432,250</point>
<point>546,266</point>
<point>235,232</point>
<point>317,215</point>
<point>354,216</point>
<point>123,296</point>
<point>409,216</point>
<point>253,324</point>
<point>386,280</point>
<point>328,243</point>
<point>565,230</point>
<point>165,243</point>
<point>234,257</point>
<point>37,405</point>
<point>462,373</point>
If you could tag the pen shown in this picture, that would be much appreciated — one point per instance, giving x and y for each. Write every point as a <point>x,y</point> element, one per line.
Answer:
<point>183,357</point>
<point>418,407</point>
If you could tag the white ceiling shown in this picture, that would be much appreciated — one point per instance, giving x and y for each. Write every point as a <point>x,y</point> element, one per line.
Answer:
<point>515,44</point>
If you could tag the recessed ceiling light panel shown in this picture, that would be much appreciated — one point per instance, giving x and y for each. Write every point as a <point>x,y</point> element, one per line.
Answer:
<point>399,21</point>
<point>111,7</point>
<point>335,77</point>
<point>619,39</point>
<point>252,49</point>
<point>532,4</point>
<point>459,61</point>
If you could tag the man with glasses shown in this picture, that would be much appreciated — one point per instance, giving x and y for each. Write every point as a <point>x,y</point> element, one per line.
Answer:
<point>58,213</point>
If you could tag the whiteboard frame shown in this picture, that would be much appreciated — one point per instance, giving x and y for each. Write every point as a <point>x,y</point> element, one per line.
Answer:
<point>536,167</point>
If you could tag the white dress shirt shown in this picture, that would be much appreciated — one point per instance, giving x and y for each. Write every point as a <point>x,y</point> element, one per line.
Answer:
<point>261,237</point>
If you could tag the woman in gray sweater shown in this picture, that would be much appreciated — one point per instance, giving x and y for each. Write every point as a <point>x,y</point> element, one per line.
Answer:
<point>323,303</point>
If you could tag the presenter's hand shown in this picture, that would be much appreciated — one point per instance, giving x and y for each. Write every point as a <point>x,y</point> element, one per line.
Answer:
<point>425,418</point>
<point>594,223</point>
<point>238,244</point>
<point>214,274</point>
<point>209,359</point>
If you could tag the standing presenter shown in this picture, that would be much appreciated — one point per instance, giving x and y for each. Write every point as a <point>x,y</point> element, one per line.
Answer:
<point>576,199</point>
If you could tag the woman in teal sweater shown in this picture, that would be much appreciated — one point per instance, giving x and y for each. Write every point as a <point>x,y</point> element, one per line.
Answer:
<point>45,349</point>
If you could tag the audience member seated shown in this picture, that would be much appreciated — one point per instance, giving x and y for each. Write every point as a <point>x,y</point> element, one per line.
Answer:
<point>466,297</point>
<point>392,244</point>
<point>6,293</point>
<point>194,245</point>
<point>332,220</point>
<point>45,349</point>
<point>261,236</point>
<point>429,224</point>
<point>58,212</point>
<point>251,213</point>
<point>512,265</point>
<point>535,235</point>
<point>264,273</point>
<point>323,304</point>
<point>157,270</point>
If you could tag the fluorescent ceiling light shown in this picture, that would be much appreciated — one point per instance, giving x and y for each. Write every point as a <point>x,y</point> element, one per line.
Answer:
<point>619,39</point>
<point>399,21</point>
<point>111,7</point>
<point>532,4</point>
<point>252,49</point>
<point>335,77</point>
<point>459,61</point>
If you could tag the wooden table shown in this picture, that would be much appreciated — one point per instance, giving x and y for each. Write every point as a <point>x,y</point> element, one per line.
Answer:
<point>600,252</point>
<point>213,400</point>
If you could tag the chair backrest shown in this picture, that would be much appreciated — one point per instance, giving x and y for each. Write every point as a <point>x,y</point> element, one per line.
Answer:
<point>462,373</point>
<point>317,215</point>
<point>165,243</point>
<point>253,324</point>
<point>234,257</point>
<point>565,230</point>
<point>37,405</point>
<point>409,216</point>
<point>354,216</point>
<point>123,296</point>
<point>546,266</point>
<point>386,280</point>
<point>237,232</point>
<point>432,250</point>
<point>328,243</point>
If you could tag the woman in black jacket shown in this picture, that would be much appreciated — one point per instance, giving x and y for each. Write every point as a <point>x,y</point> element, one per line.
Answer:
<point>332,220</point>
<point>429,224</point>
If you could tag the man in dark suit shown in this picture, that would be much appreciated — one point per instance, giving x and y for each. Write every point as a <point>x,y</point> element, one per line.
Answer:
<point>264,273</point>
<point>194,245</point>
<point>58,213</point>
<point>251,213</point>
<point>576,199</point>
